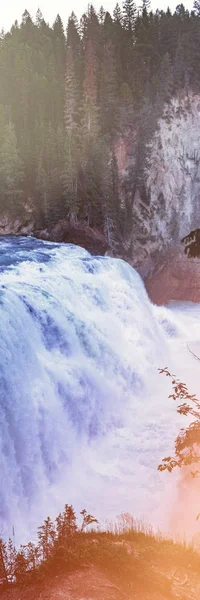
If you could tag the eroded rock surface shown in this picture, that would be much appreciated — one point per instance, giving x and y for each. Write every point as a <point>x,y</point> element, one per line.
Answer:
<point>176,277</point>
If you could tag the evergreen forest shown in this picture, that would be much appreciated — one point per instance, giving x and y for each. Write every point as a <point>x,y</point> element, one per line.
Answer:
<point>67,98</point>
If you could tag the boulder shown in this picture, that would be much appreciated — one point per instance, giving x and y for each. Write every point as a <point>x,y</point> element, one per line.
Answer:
<point>81,235</point>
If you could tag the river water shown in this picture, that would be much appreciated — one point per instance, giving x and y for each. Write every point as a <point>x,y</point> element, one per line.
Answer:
<point>84,414</point>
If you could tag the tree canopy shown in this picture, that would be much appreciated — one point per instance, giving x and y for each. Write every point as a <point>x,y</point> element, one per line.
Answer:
<point>188,441</point>
<point>66,98</point>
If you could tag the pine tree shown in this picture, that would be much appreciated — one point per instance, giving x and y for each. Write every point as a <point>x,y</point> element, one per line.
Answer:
<point>83,28</point>
<point>115,195</point>
<point>91,184</point>
<point>71,93</point>
<point>146,5</point>
<point>90,110</point>
<point>69,526</point>
<point>111,205</point>
<point>129,15</point>
<point>39,18</point>
<point>165,85</point>
<point>109,92</point>
<point>42,193</point>
<point>46,538</point>
<point>59,42</point>
<point>3,561</point>
<point>90,82</point>
<point>117,14</point>
<point>2,36</point>
<point>59,526</point>
<point>66,525</point>
<point>58,75</point>
<point>179,65</point>
<point>118,40</point>
<point>93,26</point>
<point>70,177</point>
<point>26,18</point>
<point>101,15</point>
<point>11,171</point>
<point>20,566</point>
<point>72,146</point>
<point>10,560</point>
<point>89,132</point>
<point>125,106</point>
<point>73,43</point>
<point>31,554</point>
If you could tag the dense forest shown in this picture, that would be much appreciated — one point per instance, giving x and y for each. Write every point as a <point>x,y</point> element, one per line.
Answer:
<point>66,99</point>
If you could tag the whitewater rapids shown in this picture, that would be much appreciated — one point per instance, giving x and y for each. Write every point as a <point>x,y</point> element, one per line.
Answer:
<point>84,415</point>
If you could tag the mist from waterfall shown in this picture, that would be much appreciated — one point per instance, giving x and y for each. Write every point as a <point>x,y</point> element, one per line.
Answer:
<point>84,414</point>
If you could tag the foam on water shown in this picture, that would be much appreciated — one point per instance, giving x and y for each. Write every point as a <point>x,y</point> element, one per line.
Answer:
<point>84,415</point>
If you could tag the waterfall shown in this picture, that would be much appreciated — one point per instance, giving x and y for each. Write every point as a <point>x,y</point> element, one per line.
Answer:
<point>84,414</point>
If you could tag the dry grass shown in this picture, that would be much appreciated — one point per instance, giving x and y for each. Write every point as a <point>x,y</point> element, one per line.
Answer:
<point>127,561</point>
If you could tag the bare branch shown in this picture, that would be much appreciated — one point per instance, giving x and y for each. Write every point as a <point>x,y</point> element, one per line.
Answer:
<point>193,353</point>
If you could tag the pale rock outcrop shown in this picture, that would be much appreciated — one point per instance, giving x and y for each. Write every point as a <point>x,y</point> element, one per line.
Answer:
<point>172,204</point>
<point>22,224</point>
<point>171,208</point>
<point>16,225</point>
<point>174,170</point>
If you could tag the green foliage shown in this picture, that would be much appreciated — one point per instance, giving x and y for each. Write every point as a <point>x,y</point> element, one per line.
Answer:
<point>11,171</point>
<point>46,538</point>
<point>65,101</point>
<point>188,440</point>
<point>129,15</point>
<point>20,567</point>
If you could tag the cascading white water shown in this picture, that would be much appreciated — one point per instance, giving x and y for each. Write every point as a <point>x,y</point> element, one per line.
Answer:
<point>84,414</point>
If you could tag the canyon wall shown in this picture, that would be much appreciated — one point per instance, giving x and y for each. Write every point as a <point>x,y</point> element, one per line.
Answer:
<point>171,208</point>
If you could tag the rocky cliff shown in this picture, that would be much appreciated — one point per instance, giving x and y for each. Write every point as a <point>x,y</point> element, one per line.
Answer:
<point>171,206</point>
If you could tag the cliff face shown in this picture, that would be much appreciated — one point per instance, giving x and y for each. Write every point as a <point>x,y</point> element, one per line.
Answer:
<point>171,207</point>
<point>174,173</point>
